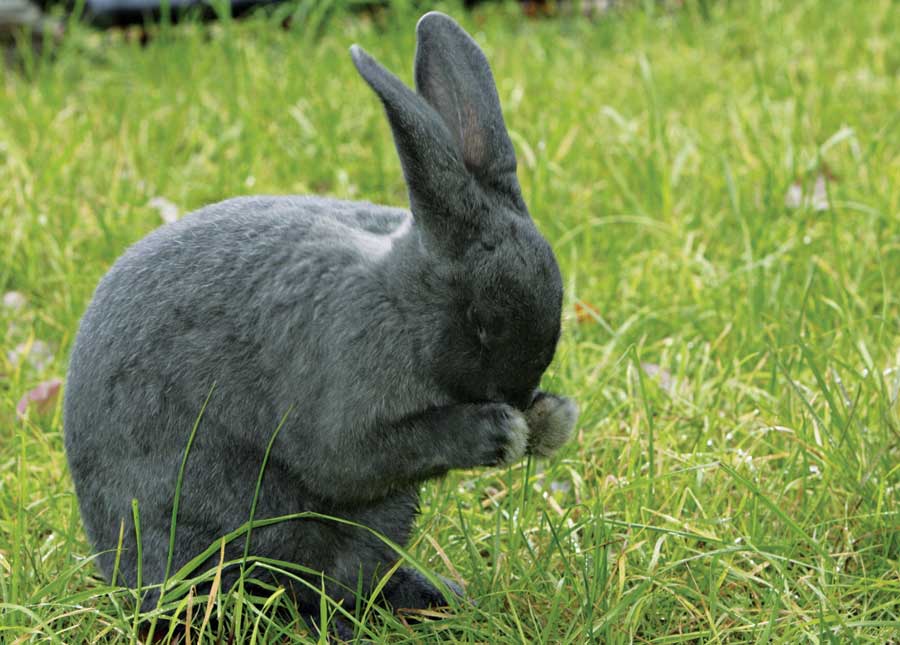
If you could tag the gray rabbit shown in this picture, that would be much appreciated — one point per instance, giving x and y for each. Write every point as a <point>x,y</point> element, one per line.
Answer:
<point>393,346</point>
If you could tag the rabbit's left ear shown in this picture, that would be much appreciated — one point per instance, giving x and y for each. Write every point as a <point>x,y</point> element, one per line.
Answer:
<point>453,75</point>
<point>432,165</point>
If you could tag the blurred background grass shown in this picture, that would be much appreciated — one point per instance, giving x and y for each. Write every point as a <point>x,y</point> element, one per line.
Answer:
<point>720,183</point>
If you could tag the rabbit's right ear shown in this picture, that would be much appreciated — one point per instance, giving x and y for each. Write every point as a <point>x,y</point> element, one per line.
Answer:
<point>432,164</point>
<point>454,76</point>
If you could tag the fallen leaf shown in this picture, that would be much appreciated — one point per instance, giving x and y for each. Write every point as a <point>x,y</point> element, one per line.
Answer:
<point>585,312</point>
<point>820,194</point>
<point>560,486</point>
<point>794,196</point>
<point>168,212</point>
<point>662,375</point>
<point>817,201</point>
<point>38,354</point>
<point>41,399</point>
<point>13,300</point>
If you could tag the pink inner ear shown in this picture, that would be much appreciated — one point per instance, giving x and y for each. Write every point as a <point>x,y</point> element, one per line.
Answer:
<point>460,113</point>
<point>472,137</point>
<point>450,109</point>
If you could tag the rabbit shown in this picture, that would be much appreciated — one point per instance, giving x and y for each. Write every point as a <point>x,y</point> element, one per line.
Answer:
<point>386,346</point>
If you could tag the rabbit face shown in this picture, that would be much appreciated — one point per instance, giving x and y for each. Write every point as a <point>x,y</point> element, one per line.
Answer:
<point>482,260</point>
<point>506,297</point>
<point>516,342</point>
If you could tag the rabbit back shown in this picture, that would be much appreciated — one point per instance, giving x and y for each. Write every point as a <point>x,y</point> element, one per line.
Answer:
<point>246,299</point>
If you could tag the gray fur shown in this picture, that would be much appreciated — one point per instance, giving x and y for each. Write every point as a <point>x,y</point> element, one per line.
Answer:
<point>551,420</point>
<point>518,440</point>
<point>399,345</point>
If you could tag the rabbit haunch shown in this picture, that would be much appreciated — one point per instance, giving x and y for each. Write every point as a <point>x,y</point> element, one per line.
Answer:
<point>393,346</point>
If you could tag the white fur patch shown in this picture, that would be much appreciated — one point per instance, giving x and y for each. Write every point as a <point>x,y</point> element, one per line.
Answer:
<point>375,246</point>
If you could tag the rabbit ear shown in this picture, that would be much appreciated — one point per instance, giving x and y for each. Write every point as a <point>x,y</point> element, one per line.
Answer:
<point>432,164</point>
<point>453,75</point>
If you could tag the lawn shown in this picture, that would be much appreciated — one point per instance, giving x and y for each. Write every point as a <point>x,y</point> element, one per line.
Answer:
<point>721,184</point>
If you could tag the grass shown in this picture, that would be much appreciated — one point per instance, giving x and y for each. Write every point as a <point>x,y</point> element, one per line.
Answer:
<point>735,474</point>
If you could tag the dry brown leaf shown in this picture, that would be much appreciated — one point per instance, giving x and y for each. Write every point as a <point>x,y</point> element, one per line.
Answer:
<point>586,313</point>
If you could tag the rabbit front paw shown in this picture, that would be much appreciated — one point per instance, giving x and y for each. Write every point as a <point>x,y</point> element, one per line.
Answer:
<point>500,436</point>
<point>516,443</point>
<point>551,419</point>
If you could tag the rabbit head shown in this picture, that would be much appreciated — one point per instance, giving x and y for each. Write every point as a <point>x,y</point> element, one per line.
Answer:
<point>479,255</point>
